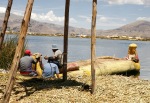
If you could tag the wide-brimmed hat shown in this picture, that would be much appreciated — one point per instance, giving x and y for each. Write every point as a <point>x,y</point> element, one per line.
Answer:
<point>133,45</point>
<point>27,52</point>
<point>37,55</point>
<point>54,46</point>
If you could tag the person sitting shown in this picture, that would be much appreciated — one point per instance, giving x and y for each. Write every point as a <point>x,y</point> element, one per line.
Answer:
<point>38,67</point>
<point>25,64</point>
<point>57,56</point>
<point>132,53</point>
<point>50,69</point>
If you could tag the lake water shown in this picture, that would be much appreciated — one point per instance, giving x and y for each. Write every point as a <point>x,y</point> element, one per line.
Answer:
<point>80,49</point>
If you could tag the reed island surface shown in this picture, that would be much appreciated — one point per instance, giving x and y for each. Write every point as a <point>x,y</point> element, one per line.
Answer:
<point>108,88</point>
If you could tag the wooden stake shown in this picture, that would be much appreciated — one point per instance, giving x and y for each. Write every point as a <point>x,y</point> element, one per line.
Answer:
<point>4,27</point>
<point>93,40</point>
<point>17,55</point>
<point>66,24</point>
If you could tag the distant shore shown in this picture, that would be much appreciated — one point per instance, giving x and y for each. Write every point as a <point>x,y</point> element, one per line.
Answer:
<point>87,36</point>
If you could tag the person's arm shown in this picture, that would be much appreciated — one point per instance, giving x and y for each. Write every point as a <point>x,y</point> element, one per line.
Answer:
<point>57,54</point>
<point>18,66</point>
<point>34,61</point>
<point>127,57</point>
<point>46,57</point>
<point>136,56</point>
<point>57,75</point>
<point>57,71</point>
<point>41,65</point>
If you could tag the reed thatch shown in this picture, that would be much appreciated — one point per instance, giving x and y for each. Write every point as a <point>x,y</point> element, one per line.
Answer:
<point>110,89</point>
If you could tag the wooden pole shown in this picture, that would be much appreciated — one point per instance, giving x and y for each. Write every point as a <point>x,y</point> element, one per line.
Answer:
<point>93,40</point>
<point>17,55</point>
<point>66,25</point>
<point>4,27</point>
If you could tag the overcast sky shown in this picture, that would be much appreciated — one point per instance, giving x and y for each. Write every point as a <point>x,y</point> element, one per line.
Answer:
<point>111,14</point>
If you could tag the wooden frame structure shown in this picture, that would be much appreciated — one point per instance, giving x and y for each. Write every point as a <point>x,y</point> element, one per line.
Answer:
<point>22,36</point>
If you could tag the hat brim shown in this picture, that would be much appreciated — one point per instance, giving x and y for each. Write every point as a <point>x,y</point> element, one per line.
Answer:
<point>54,48</point>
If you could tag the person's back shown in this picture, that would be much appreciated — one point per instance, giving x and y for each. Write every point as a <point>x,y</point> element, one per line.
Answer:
<point>57,57</point>
<point>50,69</point>
<point>25,64</point>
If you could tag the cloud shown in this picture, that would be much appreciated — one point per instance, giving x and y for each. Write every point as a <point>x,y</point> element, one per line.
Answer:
<point>72,20</point>
<point>86,18</point>
<point>103,19</point>
<point>110,22</point>
<point>2,9</point>
<point>105,22</point>
<point>50,17</point>
<point>81,0</point>
<point>109,25</point>
<point>143,18</point>
<point>121,2</point>
<point>108,19</point>
<point>85,0</point>
<point>18,12</point>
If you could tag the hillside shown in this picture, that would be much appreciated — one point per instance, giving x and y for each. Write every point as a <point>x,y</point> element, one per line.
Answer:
<point>14,24</point>
<point>138,28</point>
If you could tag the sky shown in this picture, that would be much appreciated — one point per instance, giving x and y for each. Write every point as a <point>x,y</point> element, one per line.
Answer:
<point>111,14</point>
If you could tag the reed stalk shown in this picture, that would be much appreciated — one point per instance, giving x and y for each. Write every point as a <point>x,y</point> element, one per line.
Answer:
<point>8,51</point>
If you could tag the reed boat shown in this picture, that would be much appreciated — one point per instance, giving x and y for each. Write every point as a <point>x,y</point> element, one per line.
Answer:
<point>106,65</point>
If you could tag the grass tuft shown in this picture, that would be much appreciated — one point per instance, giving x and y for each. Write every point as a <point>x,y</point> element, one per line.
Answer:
<point>8,51</point>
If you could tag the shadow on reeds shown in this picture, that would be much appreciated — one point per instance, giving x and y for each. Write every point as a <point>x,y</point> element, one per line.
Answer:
<point>37,84</point>
<point>132,73</point>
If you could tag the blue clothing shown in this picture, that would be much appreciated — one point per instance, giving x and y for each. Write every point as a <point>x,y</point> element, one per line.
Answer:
<point>50,69</point>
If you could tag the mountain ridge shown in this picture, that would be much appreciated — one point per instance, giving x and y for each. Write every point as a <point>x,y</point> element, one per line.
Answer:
<point>137,28</point>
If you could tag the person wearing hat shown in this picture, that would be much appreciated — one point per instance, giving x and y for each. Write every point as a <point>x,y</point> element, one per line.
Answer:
<point>25,64</point>
<point>132,53</point>
<point>57,56</point>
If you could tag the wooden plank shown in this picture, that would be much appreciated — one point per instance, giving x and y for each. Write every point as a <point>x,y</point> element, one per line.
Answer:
<point>66,24</point>
<point>93,40</point>
<point>14,66</point>
<point>4,27</point>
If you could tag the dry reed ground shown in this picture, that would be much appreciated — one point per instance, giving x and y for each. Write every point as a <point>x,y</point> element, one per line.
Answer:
<point>109,89</point>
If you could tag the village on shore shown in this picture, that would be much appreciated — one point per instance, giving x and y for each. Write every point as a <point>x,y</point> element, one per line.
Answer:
<point>76,35</point>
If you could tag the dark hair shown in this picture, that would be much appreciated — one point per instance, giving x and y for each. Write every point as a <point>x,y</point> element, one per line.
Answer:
<point>26,55</point>
<point>50,59</point>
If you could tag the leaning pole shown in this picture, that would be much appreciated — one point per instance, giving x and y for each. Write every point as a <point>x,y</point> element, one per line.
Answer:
<point>93,40</point>
<point>15,63</point>
<point>5,22</point>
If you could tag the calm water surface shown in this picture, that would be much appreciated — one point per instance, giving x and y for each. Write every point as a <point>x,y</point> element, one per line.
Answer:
<point>80,49</point>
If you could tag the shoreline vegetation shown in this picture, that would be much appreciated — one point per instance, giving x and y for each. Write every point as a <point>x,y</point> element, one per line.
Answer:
<point>8,51</point>
<point>112,37</point>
